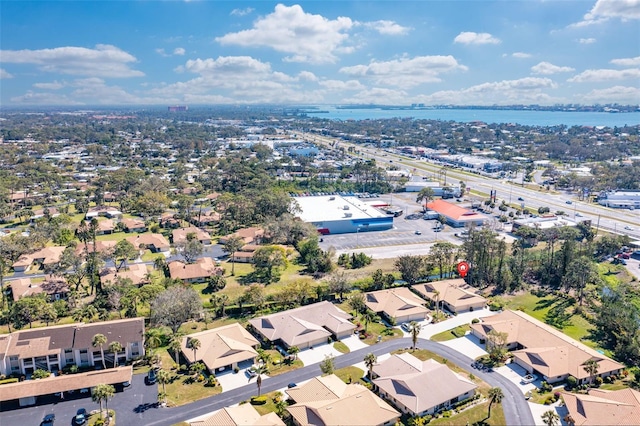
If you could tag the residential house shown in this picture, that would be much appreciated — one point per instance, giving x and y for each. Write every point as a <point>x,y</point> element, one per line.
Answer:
<point>398,304</point>
<point>157,243</point>
<point>245,254</point>
<point>180,235</point>
<point>167,220</point>
<point>43,257</point>
<point>136,272</point>
<point>540,348</point>
<point>53,348</point>
<point>197,272</point>
<point>327,400</point>
<point>55,288</point>
<point>239,415</point>
<point>104,211</point>
<point>101,247</point>
<point>133,225</point>
<point>222,348</point>
<point>603,407</point>
<point>205,218</point>
<point>306,326</point>
<point>251,235</point>
<point>418,387</point>
<point>105,227</point>
<point>455,295</point>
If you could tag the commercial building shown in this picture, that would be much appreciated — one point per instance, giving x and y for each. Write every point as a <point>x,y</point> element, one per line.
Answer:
<point>547,221</point>
<point>620,199</point>
<point>438,189</point>
<point>457,216</point>
<point>334,214</point>
<point>540,348</point>
<point>306,326</point>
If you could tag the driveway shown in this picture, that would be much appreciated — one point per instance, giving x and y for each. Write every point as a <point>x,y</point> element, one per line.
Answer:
<point>429,330</point>
<point>230,380</point>
<point>317,354</point>
<point>514,373</point>
<point>468,345</point>
<point>537,410</point>
<point>354,343</point>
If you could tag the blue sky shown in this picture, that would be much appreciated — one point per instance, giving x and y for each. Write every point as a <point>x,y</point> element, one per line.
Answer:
<point>319,52</point>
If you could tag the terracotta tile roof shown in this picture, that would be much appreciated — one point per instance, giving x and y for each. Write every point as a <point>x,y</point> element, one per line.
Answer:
<point>453,211</point>
<point>240,415</point>
<point>304,324</point>
<point>548,350</point>
<point>601,407</point>
<point>249,235</point>
<point>418,384</point>
<point>47,255</point>
<point>133,223</point>
<point>395,302</point>
<point>158,241</point>
<point>64,383</point>
<point>180,235</point>
<point>329,401</point>
<point>454,292</point>
<point>221,346</point>
<point>106,225</point>
<point>203,268</point>
<point>22,287</point>
<point>136,272</point>
<point>101,247</point>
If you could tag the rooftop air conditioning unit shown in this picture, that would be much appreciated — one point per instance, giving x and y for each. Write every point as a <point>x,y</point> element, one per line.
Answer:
<point>345,208</point>
<point>348,214</point>
<point>332,198</point>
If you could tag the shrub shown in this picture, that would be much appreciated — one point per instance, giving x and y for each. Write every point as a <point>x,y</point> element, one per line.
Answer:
<point>236,370</point>
<point>258,400</point>
<point>608,379</point>
<point>40,374</point>
<point>11,380</point>
<point>446,414</point>
<point>545,387</point>
<point>598,381</point>
<point>73,369</point>
<point>99,422</point>
<point>475,321</point>
<point>550,400</point>
<point>572,382</point>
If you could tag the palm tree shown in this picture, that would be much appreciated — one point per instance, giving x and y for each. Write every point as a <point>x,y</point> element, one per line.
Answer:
<point>175,345</point>
<point>414,330</point>
<point>370,360</point>
<point>163,378</point>
<point>101,393</point>
<point>260,370</point>
<point>115,347</point>
<point>194,345</point>
<point>591,367</point>
<point>293,350</point>
<point>367,317</point>
<point>231,246</point>
<point>153,338</point>
<point>100,340</point>
<point>495,395</point>
<point>550,418</point>
<point>437,295</point>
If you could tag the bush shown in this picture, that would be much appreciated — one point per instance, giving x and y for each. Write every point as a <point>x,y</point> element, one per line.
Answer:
<point>73,369</point>
<point>258,400</point>
<point>608,379</point>
<point>598,381</point>
<point>236,370</point>
<point>545,387</point>
<point>550,400</point>
<point>99,422</point>
<point>475,321</point>
<point>11,380</point>
<point>446,414</point>
<point>40,374</point>
<point>572,382</point>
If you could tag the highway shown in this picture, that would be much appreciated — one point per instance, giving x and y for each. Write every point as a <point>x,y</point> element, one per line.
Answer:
<point>605,218</point>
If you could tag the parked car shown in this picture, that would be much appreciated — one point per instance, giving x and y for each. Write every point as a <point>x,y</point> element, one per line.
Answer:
<point>418,232</point>
<point>520,199</point>
<point>405,326</point>
<point>291,385</point>
<point>81,417</point>
<point>251,373</point>
<point>48,420</point>
<point>152,377</point>
<point>569,202</point>
<point>628,228</point>
<point>529,378</point>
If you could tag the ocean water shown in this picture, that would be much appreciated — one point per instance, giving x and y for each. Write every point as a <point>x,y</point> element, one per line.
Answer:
<point>526,118</point>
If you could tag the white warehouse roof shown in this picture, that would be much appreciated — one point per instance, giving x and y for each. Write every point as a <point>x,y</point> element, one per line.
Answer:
<point>326,208</point>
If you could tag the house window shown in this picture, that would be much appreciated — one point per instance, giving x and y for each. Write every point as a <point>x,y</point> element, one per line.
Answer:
<point>68,356</point>
<point>53,358</point>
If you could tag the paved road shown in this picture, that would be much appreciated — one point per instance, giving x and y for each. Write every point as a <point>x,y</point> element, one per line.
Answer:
<point>134,406</point>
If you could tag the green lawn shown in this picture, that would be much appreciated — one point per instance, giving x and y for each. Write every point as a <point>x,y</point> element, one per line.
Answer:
<point>349,374</point>
<point>281,368</point>
<point>341,347</point>
<point>454,333</point>
<point>91,420</point>
<point>474,415</point>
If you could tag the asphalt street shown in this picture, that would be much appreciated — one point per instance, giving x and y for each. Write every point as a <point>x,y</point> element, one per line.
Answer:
<point>136,405</point>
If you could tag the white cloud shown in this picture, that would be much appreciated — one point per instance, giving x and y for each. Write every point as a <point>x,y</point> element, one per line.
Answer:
<point>406,72</point>
<point>524,90</point>
<point>616,94</point>
<point>340,85</point>
<point>627,62</point>
<point>241,12</point>
<point>605,75</point>
<point>605,10</point>
<point>5,74</point>
<point>388,27</point>
<point>476,38</point>
<point>49,86</point>
<point>179,51</point>
<point>521,55</point>
<point>227,65</point>
<point>307,76</point>
<point>103,61</point>
<point>378,95</point>
<point>590,40</point>
<point>161,52</point>
<point>307,37</point>
<point>547,68</point>
<point>47,98</point>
